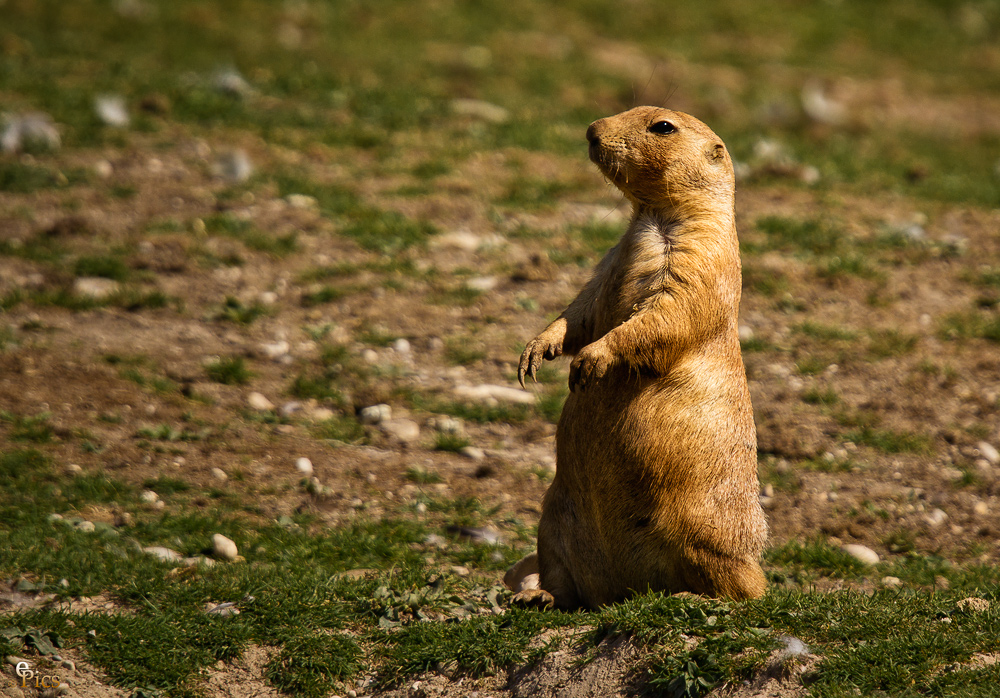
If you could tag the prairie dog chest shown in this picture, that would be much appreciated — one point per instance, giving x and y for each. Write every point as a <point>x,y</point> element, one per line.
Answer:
<point>639,269</point>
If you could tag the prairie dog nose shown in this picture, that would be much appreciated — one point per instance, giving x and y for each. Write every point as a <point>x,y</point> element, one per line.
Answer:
<point>593,137</point>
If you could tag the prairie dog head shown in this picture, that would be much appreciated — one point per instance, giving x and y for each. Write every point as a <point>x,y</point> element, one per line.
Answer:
<point>662,158</point>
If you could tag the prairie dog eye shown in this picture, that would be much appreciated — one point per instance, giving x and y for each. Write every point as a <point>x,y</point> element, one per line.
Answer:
<point>662,128</point>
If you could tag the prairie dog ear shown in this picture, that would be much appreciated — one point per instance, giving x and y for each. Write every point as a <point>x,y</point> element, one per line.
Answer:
<point>716,154</point>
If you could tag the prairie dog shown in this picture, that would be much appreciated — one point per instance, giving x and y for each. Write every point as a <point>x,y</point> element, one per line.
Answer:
<point>656,455</point>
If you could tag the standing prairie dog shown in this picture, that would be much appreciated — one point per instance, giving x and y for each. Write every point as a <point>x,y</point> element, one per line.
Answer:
<point>656,469</point>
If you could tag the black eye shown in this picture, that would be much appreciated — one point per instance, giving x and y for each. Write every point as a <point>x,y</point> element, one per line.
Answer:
<point>662,127</point>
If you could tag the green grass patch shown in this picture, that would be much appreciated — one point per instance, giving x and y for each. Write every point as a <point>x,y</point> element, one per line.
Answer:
<point>235,310</point>
<point>450,442</point>
<point>105,266</point>
<point>889,441</point>
<point>973,324</point>
<point>229,370</point>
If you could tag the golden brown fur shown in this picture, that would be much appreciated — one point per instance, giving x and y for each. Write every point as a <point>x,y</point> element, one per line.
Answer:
<point>656,478</point>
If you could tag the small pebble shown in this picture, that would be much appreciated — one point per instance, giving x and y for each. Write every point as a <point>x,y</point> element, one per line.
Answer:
<point>302,201</point>
<point>861,553</point>
<point>234,166</point>
<point>404,430</point>
<point>223,547</point>
<point>111,110</point>
<point>304,466</point>
<point>989,452</point>
<point>768,490</point>
<point>936,517</point>
<point>95,287</point>
<point>30,131</point>
<point>165,554</point>
<point>482,283</point>
<point>460,570</point>
<point>473,453</point>
<point>974,604</point>
<point>103,169</point>
<point>370,356</point>
<point>375,414</point>
<point>448,425</point>
<point>401,346</point>
<point>85,526</point>
<point>219,474</point>
<point>892,582</point>
<point>981,508</point>
<point>321,414</point>
<point>258,402</point>
<point>275,350</point>
<point>74,469</point>
<point>149,496</point>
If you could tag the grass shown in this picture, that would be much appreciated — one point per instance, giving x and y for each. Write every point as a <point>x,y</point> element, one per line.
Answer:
<point>450,442</point>
<point>229,370</point>
<point>235,310</point>
<point>327,630</point>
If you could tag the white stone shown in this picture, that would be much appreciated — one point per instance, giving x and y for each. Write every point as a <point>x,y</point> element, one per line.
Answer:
<point>767,490</point>
<point>29,130</point>
<point>936,517</point>
<point>149,496</point>
<point>480,110</point>
<point>258,402</point>
<point>989,452</point>
<point>861,553</point>
<point>461,240</point>
<point>234,166</point>
<point>229,80</point>
<point>375,414</point>
<point>268,297</point>
<point>447,425</point>
<point>275,350</point>
<point>370,356</point>
<point>321,414</point>
<point>981,508</point>
<point>86,526</point>
<point>164,554</point>
<point>460,570</point>
<point>302,201</point>
<point>892,582</point>
<point>746,333</point>
<point>304,466</point>
<point>219,474</point>
<point>819,107</point>
<point>473,453</point>
<point>405,430</point>
<point>103,169</point>
<point>482,283</point>
<point>111,110</point>
<point>223,547</point>
<point>74,469</point>
<point>401,346</point>
<point>502,393</point>
<point>95,287</point>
